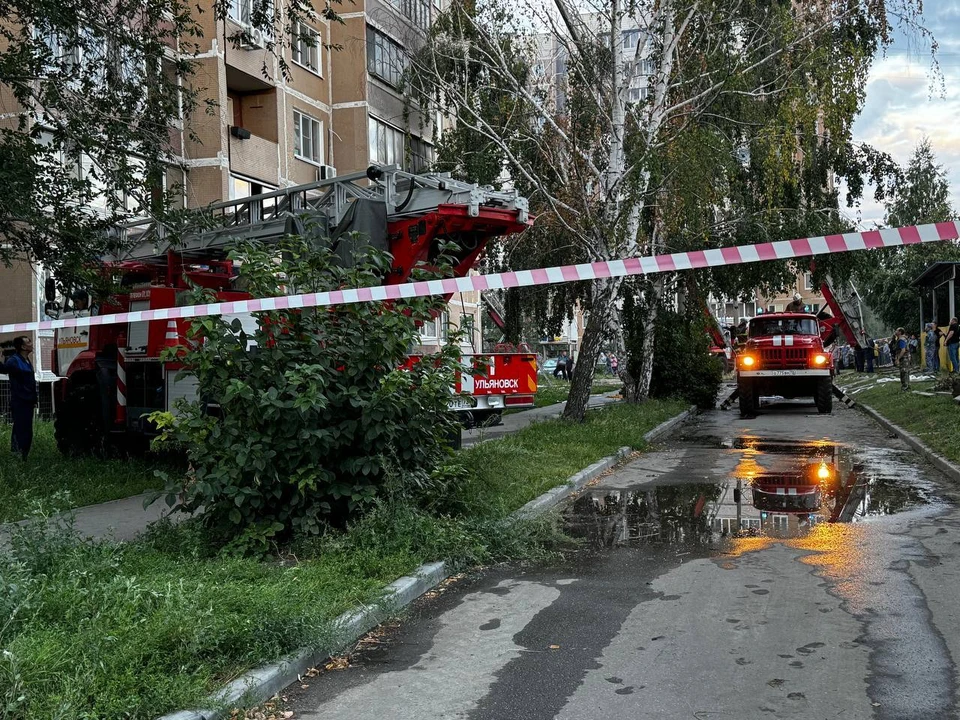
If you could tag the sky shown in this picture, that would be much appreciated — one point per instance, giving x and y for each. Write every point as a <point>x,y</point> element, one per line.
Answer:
<point>905,102</point>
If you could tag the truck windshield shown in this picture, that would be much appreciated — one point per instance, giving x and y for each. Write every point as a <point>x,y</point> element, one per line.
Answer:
<point>783,326</point>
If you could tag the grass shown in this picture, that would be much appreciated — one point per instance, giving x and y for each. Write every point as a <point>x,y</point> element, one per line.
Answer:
<point>85,481</point>
<point>935,420</point>
<point>105,630</point>
<point>551,391</point>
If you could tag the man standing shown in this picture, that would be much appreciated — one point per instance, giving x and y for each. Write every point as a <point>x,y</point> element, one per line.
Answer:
<point>952,343</point>
<point>900,350</point>
<point>23,395</point>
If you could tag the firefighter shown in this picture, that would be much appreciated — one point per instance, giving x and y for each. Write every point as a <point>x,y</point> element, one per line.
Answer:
<point>797,304</point>
<point>23,395</point>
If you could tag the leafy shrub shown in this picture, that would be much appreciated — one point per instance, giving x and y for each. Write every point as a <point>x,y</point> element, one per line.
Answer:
<point>315,417</point>
<point>683,366</point>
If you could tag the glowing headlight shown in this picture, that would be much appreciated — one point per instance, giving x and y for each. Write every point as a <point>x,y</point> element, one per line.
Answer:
<point>747,361</point>
<point>823,472</point>
<point>820,359</point>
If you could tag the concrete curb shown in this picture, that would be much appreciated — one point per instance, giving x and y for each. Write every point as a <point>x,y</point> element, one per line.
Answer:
<point>940,462</point>
<point>266,681</point>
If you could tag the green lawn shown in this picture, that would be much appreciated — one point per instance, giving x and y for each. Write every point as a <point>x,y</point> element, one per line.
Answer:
<point>46,473</point>
<point>100,630</point>
<point>935,420</point>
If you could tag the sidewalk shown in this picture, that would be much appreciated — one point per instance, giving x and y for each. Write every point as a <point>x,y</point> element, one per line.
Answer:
<point>122,519</point>
<point>125,519</point>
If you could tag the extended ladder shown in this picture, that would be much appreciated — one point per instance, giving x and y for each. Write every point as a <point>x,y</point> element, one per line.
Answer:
<point>269,216</point>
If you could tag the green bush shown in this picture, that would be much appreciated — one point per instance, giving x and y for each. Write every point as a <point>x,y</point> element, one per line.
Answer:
<point>683,366</point>
<point>317,419</point>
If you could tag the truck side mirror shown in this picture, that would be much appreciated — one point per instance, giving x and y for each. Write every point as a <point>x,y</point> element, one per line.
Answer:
<point>50,290</point>
<point>51,310</point>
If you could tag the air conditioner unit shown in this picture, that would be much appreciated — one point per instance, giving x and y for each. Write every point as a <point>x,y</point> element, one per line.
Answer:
<point>326,172</point>
<point>253,38</point>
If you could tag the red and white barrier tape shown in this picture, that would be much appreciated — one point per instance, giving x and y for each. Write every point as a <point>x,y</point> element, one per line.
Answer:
<point>783,250</point>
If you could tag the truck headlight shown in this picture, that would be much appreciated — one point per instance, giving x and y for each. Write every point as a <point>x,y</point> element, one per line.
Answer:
<point>747,361</point>
<point>820,359</point>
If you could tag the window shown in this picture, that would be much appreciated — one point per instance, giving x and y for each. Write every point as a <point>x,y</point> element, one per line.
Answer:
<point>385,58</point>
<point>443,326</point>
<point>630,39</point>
<point>418,12</point>
<point>807,281</point>
<point>241,188</point>
<point>643,68</point>
<point>637,94</point>
<point>387,146</point>
<point>241,11</point>
<point>386,143</point>
<point>421,155</point>
<point>305,47</point>
<point>308,138</point>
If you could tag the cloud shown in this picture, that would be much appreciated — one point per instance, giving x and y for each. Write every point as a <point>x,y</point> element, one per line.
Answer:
<point>900,109</point>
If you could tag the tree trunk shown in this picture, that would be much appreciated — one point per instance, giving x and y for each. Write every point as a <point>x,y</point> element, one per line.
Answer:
<point>649,346</point>
<point>585,366</point>
<point>594,335</point>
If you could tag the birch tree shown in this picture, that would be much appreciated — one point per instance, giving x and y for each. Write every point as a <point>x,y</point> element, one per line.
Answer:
<point>639,127</point>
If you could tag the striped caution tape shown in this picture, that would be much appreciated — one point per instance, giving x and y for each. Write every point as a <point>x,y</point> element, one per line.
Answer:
<point>782,250</point>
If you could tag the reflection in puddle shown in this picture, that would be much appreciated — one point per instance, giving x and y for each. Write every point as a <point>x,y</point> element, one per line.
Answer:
<point>777,489</point>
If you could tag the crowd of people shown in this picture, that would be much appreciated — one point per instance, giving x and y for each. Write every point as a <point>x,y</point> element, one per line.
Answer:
<point>903,351</point>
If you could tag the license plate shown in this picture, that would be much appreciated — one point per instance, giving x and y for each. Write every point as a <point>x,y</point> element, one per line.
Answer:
<point>460,403</point>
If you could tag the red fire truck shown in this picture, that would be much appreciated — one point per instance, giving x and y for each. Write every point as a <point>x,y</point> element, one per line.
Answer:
<point>111,375</point>
<point>784,355</point>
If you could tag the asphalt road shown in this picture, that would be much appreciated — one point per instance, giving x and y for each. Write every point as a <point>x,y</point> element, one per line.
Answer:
<point>844,607</point>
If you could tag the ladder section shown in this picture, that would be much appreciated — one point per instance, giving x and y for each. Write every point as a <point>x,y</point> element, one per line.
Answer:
<point>269,216</point>
<point>847,310</point>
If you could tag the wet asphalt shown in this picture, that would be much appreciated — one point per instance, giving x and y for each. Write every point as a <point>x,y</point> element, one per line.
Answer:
<point>837,597</point>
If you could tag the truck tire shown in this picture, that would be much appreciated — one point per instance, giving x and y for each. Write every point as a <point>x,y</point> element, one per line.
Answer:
<point>824,397</point>
<point>79,427</point>
<point>748,398</point>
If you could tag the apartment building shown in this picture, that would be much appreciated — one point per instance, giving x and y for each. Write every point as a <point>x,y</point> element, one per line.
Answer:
<point>337,109</point>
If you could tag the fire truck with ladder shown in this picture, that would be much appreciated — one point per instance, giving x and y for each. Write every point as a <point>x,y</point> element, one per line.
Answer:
<point>111,376</point>
<point>788,354</point>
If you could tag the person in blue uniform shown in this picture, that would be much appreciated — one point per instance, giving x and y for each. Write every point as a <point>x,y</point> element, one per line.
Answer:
<point>23,395</point>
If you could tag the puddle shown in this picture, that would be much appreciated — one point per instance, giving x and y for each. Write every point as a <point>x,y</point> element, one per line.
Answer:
<point>779,488</point>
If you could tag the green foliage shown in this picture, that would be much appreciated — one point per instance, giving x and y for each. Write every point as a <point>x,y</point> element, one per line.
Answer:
<point>104,631</point>
<point>682,366</point>
<point>94,96</point>
<point>47,472</point>
<point>319,418</point>
<point>921,195</point>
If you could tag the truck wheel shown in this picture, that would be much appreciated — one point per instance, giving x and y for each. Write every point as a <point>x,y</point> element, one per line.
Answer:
<point>824,397</point>
<point>79,430</point>
<point>748,399</point>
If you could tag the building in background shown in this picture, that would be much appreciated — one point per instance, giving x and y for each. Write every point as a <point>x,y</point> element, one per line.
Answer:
<point>338,110</point>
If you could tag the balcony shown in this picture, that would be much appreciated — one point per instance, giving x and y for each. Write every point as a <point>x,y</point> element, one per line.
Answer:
<point>255,157</point>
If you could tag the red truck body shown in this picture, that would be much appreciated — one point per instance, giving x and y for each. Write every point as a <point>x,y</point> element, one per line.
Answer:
<point>784,355</point>
<point>112,377</point>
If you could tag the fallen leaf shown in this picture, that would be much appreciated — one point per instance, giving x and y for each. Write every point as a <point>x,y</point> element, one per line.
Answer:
<point>554,647</point>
